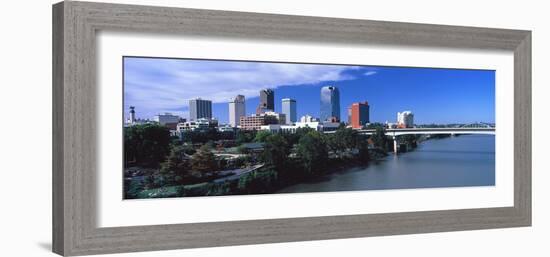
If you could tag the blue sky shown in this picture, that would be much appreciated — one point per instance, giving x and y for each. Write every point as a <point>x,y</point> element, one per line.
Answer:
<point>155,85</point>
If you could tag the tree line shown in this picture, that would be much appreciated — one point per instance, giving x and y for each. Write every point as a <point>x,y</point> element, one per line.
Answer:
<point>289,157</point>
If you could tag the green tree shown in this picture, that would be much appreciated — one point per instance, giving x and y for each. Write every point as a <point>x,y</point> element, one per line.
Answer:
<point>375,125</point>
<point>312,150</point>
<point>146,145</point>
<point>188,149</point>
<point>204,135</point>
<point>343,139</point>
<point>380,140</point>
<point>244,136</point>
<point>363,149</point>
<point>204,160</point>
<point>293,138</point>
<point>176,166</point>
<point>257,182</point>
<point>408,139</point>
<point>276,150</point>
<point>262,136</point>
<point>243,149</point>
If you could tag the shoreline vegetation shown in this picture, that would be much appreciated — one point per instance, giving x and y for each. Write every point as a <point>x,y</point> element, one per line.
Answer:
<point>213,163</point>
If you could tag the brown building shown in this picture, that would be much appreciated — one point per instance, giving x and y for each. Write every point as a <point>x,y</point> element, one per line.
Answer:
<point>359,114</point>
<point>255,122</point>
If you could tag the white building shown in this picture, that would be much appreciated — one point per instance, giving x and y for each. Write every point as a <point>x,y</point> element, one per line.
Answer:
<point>196,125</point>
<point>316,125</point>
<point>165,118</point>
<point>275,128</point>
<point>137,122</point>
<point>308,118</point>
<point>405,119</point>
<point>236,110</point>
<point>308,124</point>
<point>226,128</point>
<point>289,109</point>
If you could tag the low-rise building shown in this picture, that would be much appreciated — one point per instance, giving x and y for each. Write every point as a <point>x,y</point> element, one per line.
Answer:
<point>138,122</point>
<point>328,126</point>
<point>308,118</point>
<point>255,122</point>
<point>162,119</point>
<point>275,128</point>
<point>173,128</point>
<point>316,125</point>
<point>226,128</point>
<point>201,124</point>
<point>254,147</point>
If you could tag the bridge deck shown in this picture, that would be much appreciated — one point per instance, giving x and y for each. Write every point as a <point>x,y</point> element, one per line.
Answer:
<point>419,131</point>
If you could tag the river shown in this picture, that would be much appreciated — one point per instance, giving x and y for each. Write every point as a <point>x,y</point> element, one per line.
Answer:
<point>466,160</point>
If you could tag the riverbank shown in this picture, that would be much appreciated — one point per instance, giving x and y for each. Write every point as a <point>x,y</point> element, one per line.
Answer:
<point>260,180</point>
<point>468,160</point>
<point>345,172</point>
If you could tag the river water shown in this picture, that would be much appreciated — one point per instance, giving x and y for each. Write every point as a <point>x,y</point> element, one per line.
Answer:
<point>466,160</point>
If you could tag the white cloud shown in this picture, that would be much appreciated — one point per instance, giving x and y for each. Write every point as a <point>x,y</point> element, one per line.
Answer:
<point>370,73</point>
<point>166,85</point>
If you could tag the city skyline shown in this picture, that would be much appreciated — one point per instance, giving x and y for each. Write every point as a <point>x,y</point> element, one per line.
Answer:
<point>434,95</point>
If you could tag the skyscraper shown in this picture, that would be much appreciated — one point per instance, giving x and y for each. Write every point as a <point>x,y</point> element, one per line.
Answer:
<point>330,103</point>
<point>199,108</point>
<point>236,110</point>
<point>359,114</point>
<point>267,101</point>
<point>289,109</point>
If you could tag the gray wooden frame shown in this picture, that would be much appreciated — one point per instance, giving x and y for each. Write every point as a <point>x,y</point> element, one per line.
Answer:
<point>74,130</point>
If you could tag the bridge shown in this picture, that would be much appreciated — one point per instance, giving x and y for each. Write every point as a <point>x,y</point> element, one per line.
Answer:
<point>395,132</point>
<point>425,131</point>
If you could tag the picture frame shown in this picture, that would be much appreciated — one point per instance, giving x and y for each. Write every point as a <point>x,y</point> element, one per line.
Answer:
<point>75,25</point>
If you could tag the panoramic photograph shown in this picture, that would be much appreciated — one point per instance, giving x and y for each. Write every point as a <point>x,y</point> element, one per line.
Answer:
<point>197,127</point>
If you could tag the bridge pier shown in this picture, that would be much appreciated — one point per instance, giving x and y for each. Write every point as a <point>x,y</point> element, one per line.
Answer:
<point>394,144</point>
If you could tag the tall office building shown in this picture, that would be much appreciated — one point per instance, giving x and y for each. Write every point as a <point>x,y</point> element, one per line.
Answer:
<point>289,109</point>
<point>359,114</point>
<point>236,110</point>
<point>199,108</point>
<point>405,119</point>
<point>267,101</point>
<point>330,104</point>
